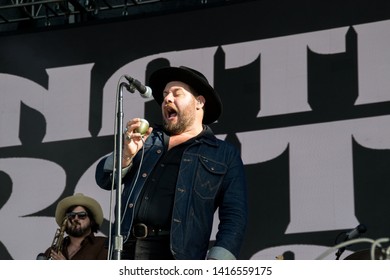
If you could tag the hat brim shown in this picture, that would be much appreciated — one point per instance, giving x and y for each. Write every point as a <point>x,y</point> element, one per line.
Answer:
<point>79,200</point>
<point>160,78</point>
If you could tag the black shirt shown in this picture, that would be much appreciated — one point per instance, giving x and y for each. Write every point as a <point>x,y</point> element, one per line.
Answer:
<point>154,207</point>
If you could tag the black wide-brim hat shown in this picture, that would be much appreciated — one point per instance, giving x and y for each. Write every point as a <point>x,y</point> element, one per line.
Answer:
<point>159,79</point>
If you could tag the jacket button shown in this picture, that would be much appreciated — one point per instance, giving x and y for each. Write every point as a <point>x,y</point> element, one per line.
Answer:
<point>159,151</point>
<point>131,205</point>
<point>144,175</point>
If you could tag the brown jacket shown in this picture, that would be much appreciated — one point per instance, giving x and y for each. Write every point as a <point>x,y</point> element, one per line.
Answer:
<point>92,248</point>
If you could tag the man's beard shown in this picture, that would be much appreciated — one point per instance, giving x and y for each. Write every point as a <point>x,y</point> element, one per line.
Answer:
<point>183,122</point>
<point>76,230</point>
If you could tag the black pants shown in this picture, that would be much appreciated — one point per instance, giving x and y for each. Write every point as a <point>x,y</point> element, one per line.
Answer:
<point>151,248</point>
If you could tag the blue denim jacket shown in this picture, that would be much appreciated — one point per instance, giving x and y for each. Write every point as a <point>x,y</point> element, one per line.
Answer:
<point>211,177</point>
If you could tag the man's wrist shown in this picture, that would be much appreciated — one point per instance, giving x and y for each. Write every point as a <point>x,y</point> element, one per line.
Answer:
<point>126,160</point>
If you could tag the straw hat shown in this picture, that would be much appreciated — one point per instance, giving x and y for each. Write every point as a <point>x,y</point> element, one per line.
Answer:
<point>79,199</point>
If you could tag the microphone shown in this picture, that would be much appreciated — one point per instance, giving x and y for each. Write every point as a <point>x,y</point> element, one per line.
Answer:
<point>145,91</point>
<point>352,234</point>
<point>143,127</point>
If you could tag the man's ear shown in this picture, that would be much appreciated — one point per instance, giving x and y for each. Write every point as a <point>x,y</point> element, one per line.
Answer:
<point>200,101</point>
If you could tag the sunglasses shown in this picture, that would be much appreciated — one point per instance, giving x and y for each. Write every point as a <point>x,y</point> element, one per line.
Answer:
<point>81,215</point>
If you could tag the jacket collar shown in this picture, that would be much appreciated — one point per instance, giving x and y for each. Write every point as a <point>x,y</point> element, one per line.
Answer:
<point>207,135</point>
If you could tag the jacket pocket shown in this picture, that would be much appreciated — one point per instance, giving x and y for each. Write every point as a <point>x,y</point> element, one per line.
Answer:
<point>209,176</point>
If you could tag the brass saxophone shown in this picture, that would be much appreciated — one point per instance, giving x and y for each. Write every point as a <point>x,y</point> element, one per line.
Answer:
<point>58,239</point>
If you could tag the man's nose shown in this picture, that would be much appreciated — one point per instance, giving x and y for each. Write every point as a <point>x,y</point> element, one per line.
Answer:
<point>168,98</point>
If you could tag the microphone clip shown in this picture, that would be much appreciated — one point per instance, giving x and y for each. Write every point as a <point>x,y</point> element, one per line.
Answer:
<point>130,87</point>
<point>134,84</point>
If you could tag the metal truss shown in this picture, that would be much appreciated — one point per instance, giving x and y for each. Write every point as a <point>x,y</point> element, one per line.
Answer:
<point>16,11</point>
<point>21,15</point>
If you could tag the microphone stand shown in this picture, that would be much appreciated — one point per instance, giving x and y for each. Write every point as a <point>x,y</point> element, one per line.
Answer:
<point>339,252</point>
<point>118,240</point>
<point>342,249</point>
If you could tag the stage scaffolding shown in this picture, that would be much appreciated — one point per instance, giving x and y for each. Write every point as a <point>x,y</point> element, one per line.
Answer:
<point>24,14</point>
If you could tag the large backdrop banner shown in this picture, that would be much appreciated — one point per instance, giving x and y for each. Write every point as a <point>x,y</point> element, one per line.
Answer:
<point>306,93</point>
